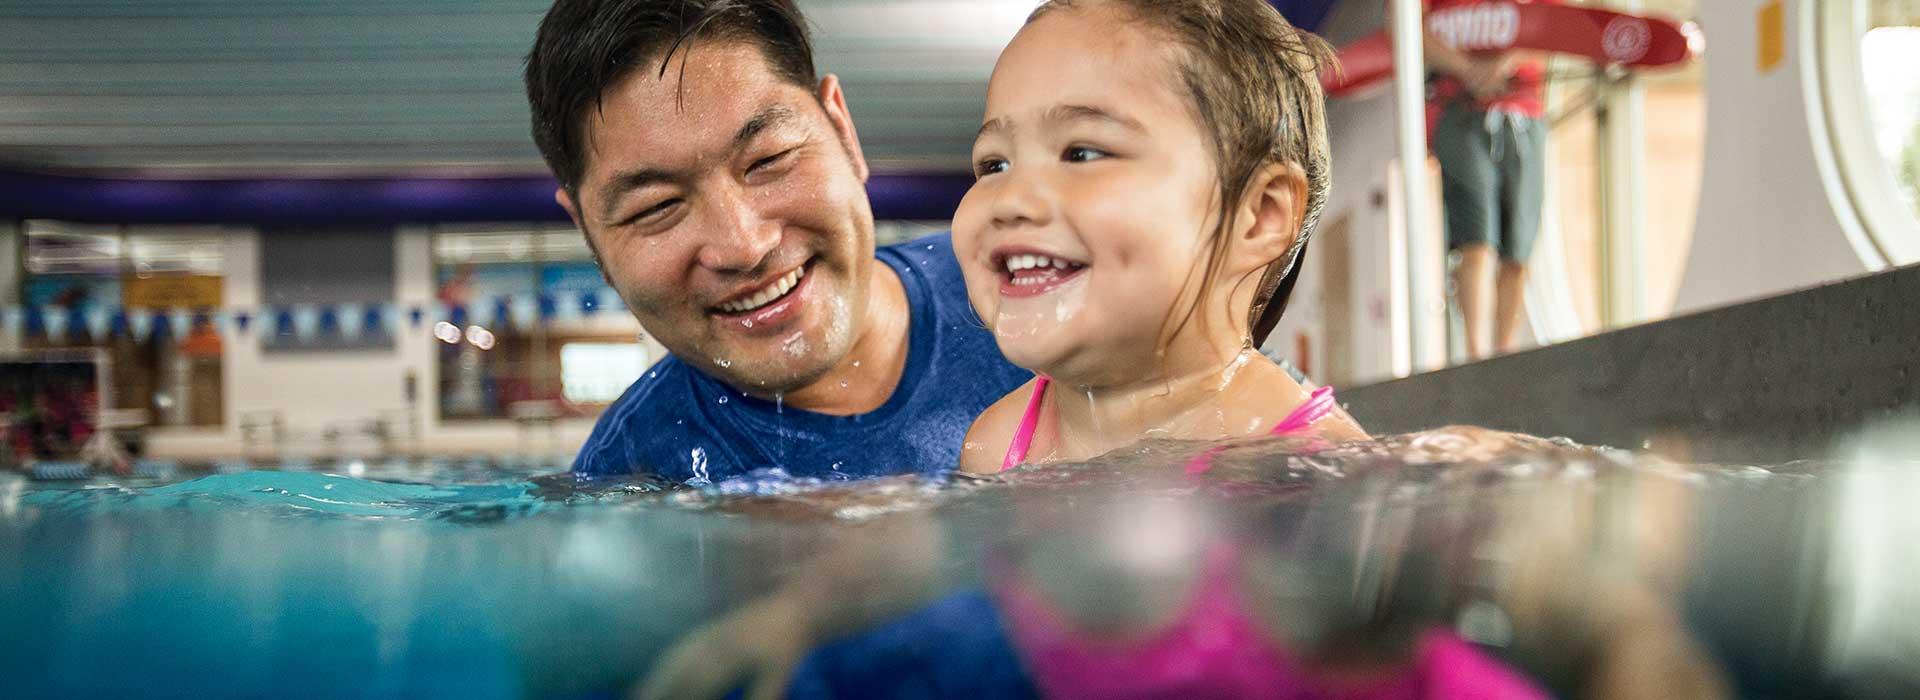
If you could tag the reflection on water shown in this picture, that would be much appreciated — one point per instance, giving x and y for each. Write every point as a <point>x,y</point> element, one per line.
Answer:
<point>1453,561</point>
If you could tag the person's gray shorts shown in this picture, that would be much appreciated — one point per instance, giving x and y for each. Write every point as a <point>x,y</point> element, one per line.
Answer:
<point>1493,177</point>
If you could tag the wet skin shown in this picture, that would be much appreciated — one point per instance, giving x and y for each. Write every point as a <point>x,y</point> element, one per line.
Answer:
<point>728,208</point>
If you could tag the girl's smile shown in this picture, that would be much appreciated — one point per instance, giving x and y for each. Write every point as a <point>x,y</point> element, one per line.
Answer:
<point>1031,272</point>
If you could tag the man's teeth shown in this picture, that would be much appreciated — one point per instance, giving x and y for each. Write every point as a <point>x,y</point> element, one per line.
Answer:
<point>765,296</point>
<point>1016,263</point>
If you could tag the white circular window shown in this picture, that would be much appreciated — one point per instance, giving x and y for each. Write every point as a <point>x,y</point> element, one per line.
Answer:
<point>1870,79</point>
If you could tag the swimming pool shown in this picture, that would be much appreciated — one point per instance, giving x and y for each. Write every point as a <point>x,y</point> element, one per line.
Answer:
<point>1556,562</point>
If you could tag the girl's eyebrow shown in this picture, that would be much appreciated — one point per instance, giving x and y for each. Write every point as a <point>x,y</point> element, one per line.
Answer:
<point>1076,113</point>
<point>994,126</point>
<point>1065,113</point>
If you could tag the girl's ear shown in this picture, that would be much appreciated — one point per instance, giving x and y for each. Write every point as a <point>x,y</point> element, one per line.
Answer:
<point>1270,211</point>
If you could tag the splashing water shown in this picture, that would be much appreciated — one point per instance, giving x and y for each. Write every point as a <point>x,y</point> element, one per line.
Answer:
<point>699,457</point>
<point>498,585</point>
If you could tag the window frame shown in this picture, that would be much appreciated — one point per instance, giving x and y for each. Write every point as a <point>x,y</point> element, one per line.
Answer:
<point>1877,222</point>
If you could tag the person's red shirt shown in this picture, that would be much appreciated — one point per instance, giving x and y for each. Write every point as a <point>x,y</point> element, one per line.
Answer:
<point>1526,89</point>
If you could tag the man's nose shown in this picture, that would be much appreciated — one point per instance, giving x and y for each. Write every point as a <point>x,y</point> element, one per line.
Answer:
<point>739,238</point>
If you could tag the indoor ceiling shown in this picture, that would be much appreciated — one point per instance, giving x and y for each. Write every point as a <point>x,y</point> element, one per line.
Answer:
<point>302,87</point>
<point>422,86</point>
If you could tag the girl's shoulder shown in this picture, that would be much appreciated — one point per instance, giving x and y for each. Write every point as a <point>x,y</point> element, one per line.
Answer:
<point>992,431</point>
<point>1271,393</point>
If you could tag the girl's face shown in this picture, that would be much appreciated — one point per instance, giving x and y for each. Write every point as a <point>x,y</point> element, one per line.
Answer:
<point>1094,201</point>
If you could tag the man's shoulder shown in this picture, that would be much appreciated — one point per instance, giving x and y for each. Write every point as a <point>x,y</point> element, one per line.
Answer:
<point>929,256</point>
<point>664,381</point>
<point>664,388</point>
<point>930,273</point>
<point>964,343</point>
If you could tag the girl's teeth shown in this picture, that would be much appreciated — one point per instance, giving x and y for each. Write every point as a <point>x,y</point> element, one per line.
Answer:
<point>1016,263</point>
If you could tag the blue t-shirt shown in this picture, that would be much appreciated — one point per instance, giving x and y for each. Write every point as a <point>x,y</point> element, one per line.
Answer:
<point>678,423</point>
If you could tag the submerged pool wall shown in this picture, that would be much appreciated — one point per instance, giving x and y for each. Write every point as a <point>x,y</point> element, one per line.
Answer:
<point>1765,381</point>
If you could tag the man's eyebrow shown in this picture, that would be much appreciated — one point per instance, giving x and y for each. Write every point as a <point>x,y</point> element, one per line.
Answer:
<point>1073,113</point>
<point>771,116</point>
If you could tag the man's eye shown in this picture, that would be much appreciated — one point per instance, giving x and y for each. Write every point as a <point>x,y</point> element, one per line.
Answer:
<point>989,166</point>
<point>769,160</point>
<point>653,212</point>
<point>1082,154</point>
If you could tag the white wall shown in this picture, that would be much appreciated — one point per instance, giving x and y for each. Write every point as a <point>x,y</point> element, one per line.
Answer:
<point>1772,218</point>
<point>1769,220</point>
<point>1363,147</point>
<point>313,391</point>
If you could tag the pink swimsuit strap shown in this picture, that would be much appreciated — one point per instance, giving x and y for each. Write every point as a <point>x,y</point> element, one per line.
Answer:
<point>1023,435</point>
<point>1318,405</point>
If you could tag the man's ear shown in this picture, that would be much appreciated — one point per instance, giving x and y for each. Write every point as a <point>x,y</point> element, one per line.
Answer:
<point>566,202</point>
<point>1268,218</point>
<point>834,100</point>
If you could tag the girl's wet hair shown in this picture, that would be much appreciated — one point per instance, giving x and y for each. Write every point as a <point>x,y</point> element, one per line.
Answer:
<point>1253,81</point>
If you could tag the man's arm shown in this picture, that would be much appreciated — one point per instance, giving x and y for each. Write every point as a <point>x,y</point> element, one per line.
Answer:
<point>1484,76</point>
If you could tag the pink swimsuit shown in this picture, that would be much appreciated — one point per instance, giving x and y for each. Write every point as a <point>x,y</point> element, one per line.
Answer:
<point>1318,405</point>
<point>1215,649</point>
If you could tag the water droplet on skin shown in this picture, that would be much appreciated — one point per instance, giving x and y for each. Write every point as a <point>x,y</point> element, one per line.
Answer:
<point>843,383</point>
<point>724,363</point>
<point>1233,368</point>
<point>856,363</point>
<point>748,323</point>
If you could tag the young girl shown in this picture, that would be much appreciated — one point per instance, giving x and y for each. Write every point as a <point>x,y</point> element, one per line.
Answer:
<point>1147,178</point>
<point>1148,174</point>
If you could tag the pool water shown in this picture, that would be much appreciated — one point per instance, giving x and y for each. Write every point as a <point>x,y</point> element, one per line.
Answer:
<point>1578,569</point>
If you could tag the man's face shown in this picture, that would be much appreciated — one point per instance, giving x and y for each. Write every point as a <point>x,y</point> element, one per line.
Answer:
<point>728,209</point>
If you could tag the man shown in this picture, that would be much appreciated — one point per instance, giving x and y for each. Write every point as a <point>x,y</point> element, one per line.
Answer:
<point>1491,142</point>
<point>720,187</point>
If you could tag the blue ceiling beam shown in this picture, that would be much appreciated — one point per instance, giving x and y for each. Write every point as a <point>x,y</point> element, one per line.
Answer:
<point>366,201</point>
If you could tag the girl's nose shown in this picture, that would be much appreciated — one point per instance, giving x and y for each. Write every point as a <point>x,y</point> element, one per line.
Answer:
<point>1021,200</point>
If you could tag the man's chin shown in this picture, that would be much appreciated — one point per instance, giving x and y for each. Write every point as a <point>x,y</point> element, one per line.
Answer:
<point>769,377</point>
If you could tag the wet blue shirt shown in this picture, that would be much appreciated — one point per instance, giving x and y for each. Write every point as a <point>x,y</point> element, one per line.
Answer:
<point>680,424</point>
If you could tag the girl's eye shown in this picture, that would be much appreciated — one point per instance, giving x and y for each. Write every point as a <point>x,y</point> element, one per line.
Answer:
<point>989,166</point>
<point>1082,154</point>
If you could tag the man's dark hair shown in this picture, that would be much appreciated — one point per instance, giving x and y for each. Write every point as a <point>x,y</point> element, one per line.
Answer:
<point>585,46</point>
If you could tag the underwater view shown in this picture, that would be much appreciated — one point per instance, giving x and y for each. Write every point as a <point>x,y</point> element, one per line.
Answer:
<point>1451,563</point>
<point>972,349</point>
